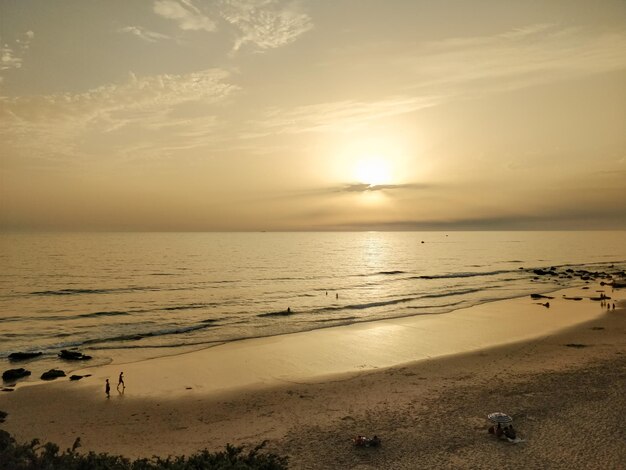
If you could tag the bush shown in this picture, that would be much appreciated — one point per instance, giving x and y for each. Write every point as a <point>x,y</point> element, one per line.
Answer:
<point>34,456</point>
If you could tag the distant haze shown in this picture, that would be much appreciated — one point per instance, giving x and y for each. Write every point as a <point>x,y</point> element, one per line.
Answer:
<point>312,115</point>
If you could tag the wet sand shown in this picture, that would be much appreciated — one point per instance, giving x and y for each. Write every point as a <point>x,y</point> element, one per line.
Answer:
<point>567,401</point>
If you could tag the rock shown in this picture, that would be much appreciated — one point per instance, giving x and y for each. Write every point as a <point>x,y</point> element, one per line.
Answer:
<point>52,374</point>
<point>540,296</point>
<point>22,356</point>
<point>73,355</point>
<point>78,377</point>
<point>6,389</point>
<point>14,374</point>
<point>3,415</point>
<point>540,272</point>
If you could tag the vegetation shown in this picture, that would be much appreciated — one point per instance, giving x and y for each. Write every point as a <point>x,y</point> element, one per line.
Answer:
<point>35,456</point>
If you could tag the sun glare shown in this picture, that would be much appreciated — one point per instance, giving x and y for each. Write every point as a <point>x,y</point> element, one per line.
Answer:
<point>373,171</point>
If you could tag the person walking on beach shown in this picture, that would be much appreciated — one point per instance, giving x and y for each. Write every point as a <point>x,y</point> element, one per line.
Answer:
<point>107,388</point>
<point>121,382</point>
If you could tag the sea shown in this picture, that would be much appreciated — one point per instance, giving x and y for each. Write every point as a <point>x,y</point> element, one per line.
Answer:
<point>103,293</point>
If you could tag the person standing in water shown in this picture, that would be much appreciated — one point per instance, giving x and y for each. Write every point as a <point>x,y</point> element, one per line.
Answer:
<point>107,388</point>
<point>120,382</point>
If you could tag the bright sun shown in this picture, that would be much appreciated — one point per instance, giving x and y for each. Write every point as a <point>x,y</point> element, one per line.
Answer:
<point>373,171</point>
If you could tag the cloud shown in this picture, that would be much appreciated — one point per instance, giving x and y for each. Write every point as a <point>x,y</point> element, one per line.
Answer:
<point>65,124</point>
<point>11,56</point>
<point>520,58</point>
<point>459,68</point>
<point>338,116</point>
<point>144,34</point>
<point>364,187</point>
<point>265,24</point>
<point>185,13</point>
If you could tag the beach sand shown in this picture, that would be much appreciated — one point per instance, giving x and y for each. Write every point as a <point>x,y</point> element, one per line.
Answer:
<point>568,402</point>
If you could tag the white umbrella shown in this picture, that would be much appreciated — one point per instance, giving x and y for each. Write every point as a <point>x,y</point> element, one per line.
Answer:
<point>500,418</point>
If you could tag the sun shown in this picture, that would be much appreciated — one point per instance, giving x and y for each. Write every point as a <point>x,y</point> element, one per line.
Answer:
<point>373,170</point>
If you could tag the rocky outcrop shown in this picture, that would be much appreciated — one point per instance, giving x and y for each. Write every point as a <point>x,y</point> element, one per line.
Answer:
<point>23,356</point>
<point>14,374</point>
<point>52,374</point>
<point>73,355</point>
<point>78,377</point>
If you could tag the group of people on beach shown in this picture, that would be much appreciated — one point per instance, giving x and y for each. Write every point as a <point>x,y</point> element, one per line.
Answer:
<point>508,432</point>
<point>120,383</point>
<point>604,302</point>
<point>364,441</point>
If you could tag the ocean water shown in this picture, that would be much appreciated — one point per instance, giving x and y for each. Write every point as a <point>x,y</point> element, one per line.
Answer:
<point>105,292</point>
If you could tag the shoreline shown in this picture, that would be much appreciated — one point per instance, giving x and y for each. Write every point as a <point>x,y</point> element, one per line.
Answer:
<point>405,404</point>
<point>347,349</point>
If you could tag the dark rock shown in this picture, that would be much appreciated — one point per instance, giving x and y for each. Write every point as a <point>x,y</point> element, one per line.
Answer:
<point>73,355</point>
<point>3,415</point>
<point>576,345</point>
<point>14,374</point>
<point>22,356</point>
<point>52,374</point>
<point>540,272</point>
<point>6,389</point>
<point>78,377</point>
<point>540,296</point>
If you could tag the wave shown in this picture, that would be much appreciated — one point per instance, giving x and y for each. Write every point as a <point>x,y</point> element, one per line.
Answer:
<point>91,291</point>
<point>150,334</point>
<point>112,313</point>
<point>455,292</point>
<point>367,305</point>
<point>190,306</point>
<point>462,274</point>
<point>282,313</point>
<point>383,273</point>
<point>324,320</point>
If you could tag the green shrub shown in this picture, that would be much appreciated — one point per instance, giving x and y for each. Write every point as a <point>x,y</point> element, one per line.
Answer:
<point>34,456</point>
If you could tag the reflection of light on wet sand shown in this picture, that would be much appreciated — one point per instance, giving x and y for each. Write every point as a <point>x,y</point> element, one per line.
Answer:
<point>338,350</point>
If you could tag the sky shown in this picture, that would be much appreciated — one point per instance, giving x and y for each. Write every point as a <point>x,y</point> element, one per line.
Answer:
<point>220,115</point>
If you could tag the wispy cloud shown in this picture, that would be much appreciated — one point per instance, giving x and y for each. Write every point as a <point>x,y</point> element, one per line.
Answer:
<point>364,187</point>
<point>524,57</point>
<point>144,34</point>
<point>339,116</point>
<point>11,56</point>
<point>265,24</point>
<point>62,123</point>
<point>185,13</point>
<point>460,68</point>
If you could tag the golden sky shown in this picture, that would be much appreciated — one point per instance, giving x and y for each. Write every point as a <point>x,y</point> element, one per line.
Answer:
<point>312,115</point>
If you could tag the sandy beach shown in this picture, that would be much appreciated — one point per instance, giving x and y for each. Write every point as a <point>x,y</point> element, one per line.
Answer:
<point>309,393</point>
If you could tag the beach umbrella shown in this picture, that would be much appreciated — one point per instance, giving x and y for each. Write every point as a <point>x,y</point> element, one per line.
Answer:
<point>500,418</point>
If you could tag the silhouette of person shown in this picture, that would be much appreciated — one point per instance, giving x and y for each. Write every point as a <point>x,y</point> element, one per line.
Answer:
<point>336,295</point>
<point>121,382</point>
<point>107,388</point>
